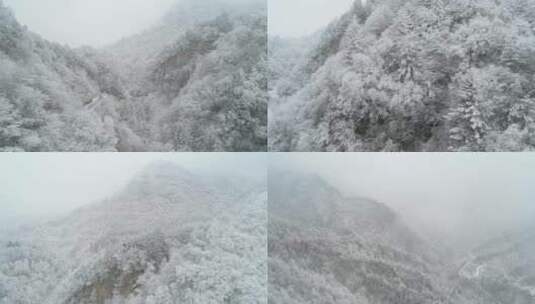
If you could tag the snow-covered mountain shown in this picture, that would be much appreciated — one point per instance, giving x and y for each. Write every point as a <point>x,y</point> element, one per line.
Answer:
<point>194,82</point>
<point>327,248</point>
<point>416,75</point>
<point>171,236</point>
<point>501,269</point>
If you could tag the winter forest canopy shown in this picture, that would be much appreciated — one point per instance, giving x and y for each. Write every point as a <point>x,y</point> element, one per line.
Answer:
<point>195,82</point>
<point>388,75</point>
<point>285,228</point>
<point>169,235</point>
<point>415,75</point>
<point>448,239</point>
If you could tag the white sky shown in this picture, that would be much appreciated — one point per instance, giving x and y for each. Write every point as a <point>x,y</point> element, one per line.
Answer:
<point>458,195</point>
<point>101,22</point>
<point>88,22</point>
<point>462,195</point>
<point>296,18</point>
<point>38,186</point>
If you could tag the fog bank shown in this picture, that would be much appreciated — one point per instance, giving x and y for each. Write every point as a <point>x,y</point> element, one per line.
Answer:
<point>460,197</point>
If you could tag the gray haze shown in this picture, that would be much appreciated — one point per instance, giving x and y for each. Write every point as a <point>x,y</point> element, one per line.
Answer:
<point>461,197</point>
<point>297,18</point>
<point>83,22</point>
<point>40,186</point>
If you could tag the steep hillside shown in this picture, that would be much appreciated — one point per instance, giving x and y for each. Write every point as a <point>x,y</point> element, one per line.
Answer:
<point>325,248</point>
<point>417,75</point>
<point>502,269</point>
<point>45,89</point>
<point>195,82</point>
<point>170,236</point>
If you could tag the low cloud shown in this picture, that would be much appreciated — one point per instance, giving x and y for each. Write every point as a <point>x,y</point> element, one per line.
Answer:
<point>296,18</point>
<point>82,22</point>
<point>461,197</point>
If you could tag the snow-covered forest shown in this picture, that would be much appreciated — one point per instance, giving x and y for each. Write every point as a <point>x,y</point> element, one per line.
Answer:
<point>415,75</point>
<point>195,82</point>
<point>170,236</point>
<point>328,247</point>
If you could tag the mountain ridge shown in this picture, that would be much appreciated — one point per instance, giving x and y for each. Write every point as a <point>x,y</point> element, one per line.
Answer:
<point>165,237</point>
<point>326,248</point>
<point>115,101</point>
<point>398,76</point>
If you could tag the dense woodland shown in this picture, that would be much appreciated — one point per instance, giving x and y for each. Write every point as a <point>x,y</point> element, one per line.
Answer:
<point>196,82</point>
<point>325,247</point>
<point>415,75</point>
<point>171,236</point>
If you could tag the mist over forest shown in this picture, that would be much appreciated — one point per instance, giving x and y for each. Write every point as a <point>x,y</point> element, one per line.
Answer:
<point>401,228</point>
<point>462,198</point>
<point>170,229</point>
<point>192,80</point>
<point>417,75</point>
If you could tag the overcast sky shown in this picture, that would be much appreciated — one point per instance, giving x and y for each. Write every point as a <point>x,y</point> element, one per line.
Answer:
<point>40,186</point>
<point>88,22</point>
<point>101,22</point>
<point>461,195</point>
<point>296,18</point>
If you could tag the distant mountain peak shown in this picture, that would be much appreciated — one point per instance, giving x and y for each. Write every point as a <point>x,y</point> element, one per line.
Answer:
<point>162,178</point>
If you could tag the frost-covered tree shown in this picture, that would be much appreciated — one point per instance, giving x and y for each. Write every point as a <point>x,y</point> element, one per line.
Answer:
<point>412,76</point>
<point>197,82</point>
<point>466,120</point>
<point>170,236</point>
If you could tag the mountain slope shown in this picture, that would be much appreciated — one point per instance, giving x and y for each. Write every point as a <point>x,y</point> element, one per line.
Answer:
<point>449,75</point>
<point>502,268</point>
<point>193,83</point>
<point>170,236</point>
<point>44,88</point>
<point>325,248</point>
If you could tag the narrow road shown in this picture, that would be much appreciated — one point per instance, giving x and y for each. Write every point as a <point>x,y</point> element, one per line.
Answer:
<point>95,102</point>
<point>478,270</point>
